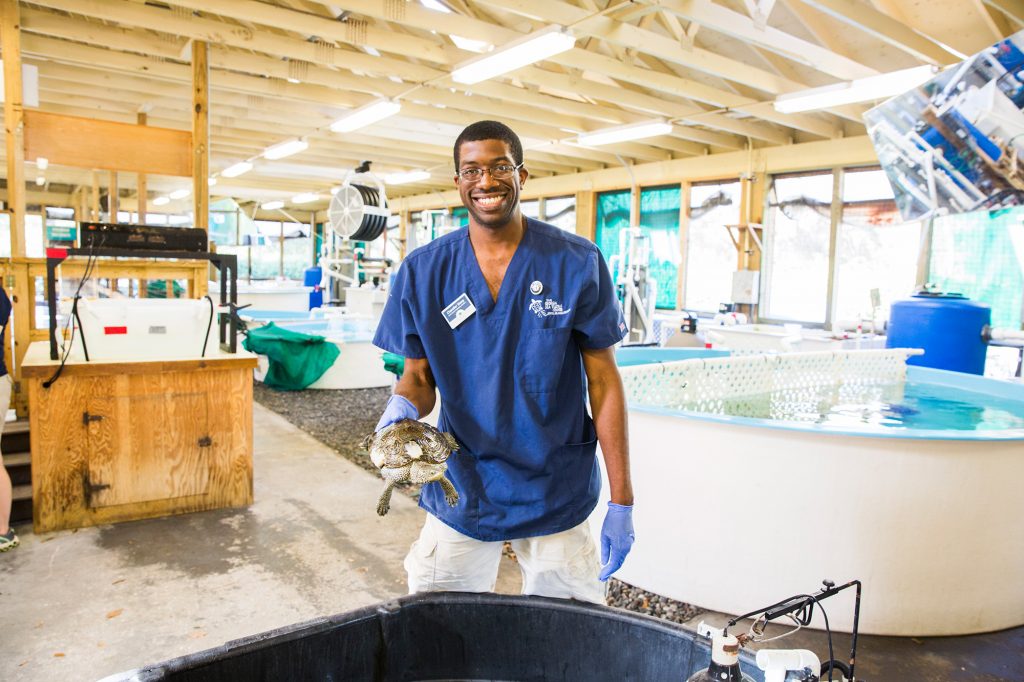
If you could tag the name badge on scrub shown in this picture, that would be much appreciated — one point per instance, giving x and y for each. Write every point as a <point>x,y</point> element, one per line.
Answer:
<point>458,311</point>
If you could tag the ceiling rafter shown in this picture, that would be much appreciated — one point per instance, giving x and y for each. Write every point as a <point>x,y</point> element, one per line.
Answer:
<point>885,28</point>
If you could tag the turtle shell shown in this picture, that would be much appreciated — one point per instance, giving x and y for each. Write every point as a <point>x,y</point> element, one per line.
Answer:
<point>405,441</point>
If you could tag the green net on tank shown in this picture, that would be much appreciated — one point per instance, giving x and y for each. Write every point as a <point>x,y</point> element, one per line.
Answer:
<point>981,255</point>
<point>781,386</point>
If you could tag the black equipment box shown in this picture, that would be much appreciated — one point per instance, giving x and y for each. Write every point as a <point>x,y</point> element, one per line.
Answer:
<point>142,237</point>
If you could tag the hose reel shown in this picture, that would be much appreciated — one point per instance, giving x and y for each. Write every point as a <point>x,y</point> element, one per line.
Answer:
<point>358,211</point>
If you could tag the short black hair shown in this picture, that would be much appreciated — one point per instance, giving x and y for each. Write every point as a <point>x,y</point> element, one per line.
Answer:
<point>490,130</point>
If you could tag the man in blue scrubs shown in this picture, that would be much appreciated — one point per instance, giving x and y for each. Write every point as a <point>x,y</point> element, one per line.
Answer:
<point>504,319</point>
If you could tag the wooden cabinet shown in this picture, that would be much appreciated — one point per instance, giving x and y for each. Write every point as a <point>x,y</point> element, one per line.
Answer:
<point>119,441</point>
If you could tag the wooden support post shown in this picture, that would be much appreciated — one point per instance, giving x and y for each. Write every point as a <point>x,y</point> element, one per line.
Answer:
<point>112,197</point>
<point>14,128</point>
<point>201,133</point>
<point>14,125</point>
<point>684,243</point>
<point>585,226</point>
<point>95,198</point>
<point>140,193</point>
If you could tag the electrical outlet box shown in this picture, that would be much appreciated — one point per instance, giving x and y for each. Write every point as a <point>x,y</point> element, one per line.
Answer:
<point>745,286</point>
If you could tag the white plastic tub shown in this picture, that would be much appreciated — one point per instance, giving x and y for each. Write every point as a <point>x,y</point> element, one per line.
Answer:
<point>144,329</point>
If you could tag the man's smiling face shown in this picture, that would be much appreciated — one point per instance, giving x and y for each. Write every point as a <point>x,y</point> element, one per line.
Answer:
<point>492,203</point>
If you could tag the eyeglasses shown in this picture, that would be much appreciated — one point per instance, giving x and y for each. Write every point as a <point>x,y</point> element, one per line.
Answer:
<point>503,171</point>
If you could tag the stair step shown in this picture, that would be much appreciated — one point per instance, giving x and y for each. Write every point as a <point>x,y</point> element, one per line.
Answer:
<point>19,426</point>
<point>22,492</point>
<point>17,459</point>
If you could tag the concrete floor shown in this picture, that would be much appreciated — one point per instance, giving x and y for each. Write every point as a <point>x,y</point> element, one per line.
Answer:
<point>81,605</point>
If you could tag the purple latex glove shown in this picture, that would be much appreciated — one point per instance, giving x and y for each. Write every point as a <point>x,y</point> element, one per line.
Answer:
<point>398,408</point>
<point>616,538</point>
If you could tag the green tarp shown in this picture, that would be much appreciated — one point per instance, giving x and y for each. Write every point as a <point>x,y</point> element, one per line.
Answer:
<point>296,360</point>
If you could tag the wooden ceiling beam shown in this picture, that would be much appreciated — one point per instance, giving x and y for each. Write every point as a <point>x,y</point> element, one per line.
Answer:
<point>655,44</point>
<point>883,27</point>
<point>218,33</point>
<point>742,27</point>
<point>352,31</point>
<point>1011,8</point>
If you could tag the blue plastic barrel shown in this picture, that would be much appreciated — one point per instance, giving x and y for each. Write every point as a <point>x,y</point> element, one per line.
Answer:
<point>312,276</point>
<point>947,326</point>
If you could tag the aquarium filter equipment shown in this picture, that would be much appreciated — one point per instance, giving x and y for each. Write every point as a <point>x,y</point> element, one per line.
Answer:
<point>780,665</point>
<point>725,659</point>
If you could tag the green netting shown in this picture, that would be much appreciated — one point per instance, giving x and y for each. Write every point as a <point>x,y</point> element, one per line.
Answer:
<point>981,255</point>
<point>394,363</point>
<point>659,219</point>
<point>296,360</point>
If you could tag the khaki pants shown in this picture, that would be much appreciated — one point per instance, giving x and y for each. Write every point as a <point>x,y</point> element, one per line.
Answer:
<point>561,565</point>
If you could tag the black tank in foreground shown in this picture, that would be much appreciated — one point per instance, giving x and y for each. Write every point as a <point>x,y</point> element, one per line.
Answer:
<point>457,636</point>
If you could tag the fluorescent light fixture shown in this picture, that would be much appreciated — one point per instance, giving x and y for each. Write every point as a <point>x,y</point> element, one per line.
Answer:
<point>211,182</point>
<point>365,115</point>
<point>293,80</point>
<point>283,149</point>
<point>435,5</point>
<point>305,197</point>
<point>40,181</point>
<point>271,205</point>
<point>867,89</point>
<point>335,190</point>
<point>529,49</point>
<point>470,44</point>
<point>42,163</point>
<point>161,201</point>
<point>236,170</point>
<point>180,193</point>
<point>406,177</point>
<point>625,133</point>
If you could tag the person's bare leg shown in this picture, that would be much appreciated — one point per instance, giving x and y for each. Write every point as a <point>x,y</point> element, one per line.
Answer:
<point>5,500</point>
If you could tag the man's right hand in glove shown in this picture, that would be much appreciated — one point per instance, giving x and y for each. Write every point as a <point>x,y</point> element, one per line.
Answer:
<point>398,408</point>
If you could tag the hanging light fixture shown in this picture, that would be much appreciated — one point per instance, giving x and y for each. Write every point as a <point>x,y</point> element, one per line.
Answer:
<point>237,169</point>
<point>530,49</point>
<point>625,133</point>
<point>366,115</point>
<point>283,149</point>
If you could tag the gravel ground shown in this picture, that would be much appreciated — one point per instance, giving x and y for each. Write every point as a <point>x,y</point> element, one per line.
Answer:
<point>342,418</point>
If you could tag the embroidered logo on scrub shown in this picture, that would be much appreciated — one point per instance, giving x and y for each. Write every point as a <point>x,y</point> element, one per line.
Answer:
<point>547,307</point>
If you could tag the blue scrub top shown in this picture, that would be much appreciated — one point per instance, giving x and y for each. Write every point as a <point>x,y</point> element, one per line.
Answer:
<point>510,376</point>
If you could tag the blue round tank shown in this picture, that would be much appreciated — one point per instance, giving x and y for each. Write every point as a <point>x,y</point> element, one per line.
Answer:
<point>947,326</point>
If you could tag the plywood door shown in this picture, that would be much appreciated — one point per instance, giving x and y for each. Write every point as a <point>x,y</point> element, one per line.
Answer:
<point>154,445</point>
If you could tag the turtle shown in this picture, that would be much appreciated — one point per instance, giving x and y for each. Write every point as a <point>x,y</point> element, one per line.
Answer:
<point>410,450</point>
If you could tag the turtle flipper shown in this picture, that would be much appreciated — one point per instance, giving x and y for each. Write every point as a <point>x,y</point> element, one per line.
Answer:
<point>450,440</point>
<point>384,503</point>
<point>451,495</point>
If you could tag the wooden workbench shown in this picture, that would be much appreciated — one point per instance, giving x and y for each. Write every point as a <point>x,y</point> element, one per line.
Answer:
<point>115,441</point>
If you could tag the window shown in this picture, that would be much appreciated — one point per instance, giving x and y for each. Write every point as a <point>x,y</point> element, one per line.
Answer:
<point>710,254</point>
<point>34,237</point>
<point>659,218</point>
<point>561,212</point>
<point>530,209</point>
<point>297,250</point>
<point>875,249</point>
<point>797,235</point>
